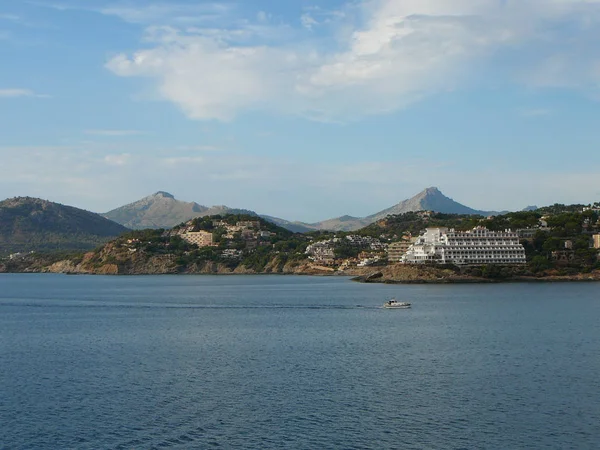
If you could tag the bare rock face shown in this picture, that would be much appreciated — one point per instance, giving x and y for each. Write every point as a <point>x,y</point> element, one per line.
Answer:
<point>63,267</point>
<point>108,269</point>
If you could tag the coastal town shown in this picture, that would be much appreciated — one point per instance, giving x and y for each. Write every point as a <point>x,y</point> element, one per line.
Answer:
<point>559,240</point>
<point>231,240</point>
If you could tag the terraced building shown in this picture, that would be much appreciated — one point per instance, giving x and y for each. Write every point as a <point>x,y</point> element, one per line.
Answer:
<point>474,247</point>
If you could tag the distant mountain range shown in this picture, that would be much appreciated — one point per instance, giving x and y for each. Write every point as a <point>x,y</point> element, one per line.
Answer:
<point>162,210</point>
<point>32,224</point>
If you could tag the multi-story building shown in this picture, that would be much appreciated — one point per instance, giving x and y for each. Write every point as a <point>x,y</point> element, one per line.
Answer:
<point>596,241</point>
<point>477,246</point>
<point>397,250</point>
<point>200,238</point>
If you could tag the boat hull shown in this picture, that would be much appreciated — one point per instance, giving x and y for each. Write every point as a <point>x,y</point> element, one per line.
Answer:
<point>392,304</point>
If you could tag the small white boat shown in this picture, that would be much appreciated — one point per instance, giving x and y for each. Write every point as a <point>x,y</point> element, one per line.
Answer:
<point>393,304</point>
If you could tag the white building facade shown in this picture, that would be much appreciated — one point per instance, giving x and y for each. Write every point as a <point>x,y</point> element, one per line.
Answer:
<point>477,246</point>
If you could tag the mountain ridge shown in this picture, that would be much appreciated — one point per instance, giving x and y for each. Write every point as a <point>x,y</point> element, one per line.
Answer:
<point>429,199</point>
<point>163,210</point>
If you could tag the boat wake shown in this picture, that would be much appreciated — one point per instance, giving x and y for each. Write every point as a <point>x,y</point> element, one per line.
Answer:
<point>96,304</point>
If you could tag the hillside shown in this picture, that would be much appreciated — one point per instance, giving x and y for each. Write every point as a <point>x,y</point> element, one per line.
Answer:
<point>163,210</point>
<point>240,243</point>
<point>31,224</point>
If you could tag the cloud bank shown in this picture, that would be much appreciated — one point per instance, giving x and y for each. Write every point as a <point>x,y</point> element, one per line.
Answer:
<point>377,57</point>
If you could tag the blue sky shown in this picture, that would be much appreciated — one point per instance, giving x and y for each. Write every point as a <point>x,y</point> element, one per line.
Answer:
<point>300,111</point>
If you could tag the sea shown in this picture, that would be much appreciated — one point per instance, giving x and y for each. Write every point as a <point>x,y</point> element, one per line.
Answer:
<point>290,362</point>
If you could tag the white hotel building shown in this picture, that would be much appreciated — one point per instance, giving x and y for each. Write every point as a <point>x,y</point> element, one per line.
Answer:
<point>477,246</point>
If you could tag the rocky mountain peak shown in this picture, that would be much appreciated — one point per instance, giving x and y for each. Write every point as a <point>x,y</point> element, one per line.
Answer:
<point>432,191</point>
<point>163,194</point>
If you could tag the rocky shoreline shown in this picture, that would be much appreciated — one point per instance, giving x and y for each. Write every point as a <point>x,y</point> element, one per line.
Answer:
<point>407,274</point>
<point>390,274</point>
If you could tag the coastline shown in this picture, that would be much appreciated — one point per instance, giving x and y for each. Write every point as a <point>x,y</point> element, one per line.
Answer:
<point>534,280</point>
<point>411,274</point>
<point>391,274</point>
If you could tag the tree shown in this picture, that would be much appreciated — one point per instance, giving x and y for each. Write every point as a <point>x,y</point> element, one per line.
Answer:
<point>540,263</point>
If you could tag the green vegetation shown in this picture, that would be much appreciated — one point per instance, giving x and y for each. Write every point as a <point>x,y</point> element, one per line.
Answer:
<point>30,224</point>
<point>254,250</point>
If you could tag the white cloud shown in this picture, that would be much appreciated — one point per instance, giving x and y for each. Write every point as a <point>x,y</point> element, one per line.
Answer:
<point>117,160</point>
<point>536,112</point>
<point>18,92</point>
<point>210,79</point>
<point>9,17</point>
<point>401,52</point>
<point>200,148</point>
<point>168,12</point>
<point>315,16</point>
<point>308,21</point>
<point>183,160</point>
<point>114,133</point>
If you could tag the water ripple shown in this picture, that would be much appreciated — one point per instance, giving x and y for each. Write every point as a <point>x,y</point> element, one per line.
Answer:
<point>296,364</point>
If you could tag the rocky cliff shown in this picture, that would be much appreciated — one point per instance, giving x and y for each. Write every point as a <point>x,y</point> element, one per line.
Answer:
<point>113,261</point>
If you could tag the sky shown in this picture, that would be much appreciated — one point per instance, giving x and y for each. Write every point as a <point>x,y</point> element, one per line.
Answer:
<point>300,109</point>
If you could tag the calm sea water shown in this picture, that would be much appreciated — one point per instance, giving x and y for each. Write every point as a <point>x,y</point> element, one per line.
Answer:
<point>294,362</point>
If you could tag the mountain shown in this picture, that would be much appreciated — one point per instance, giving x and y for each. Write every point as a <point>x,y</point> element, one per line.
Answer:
<point>32,224</point>
<point>430,199</point>
<point>160,210</point>
<point>163,210</point>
